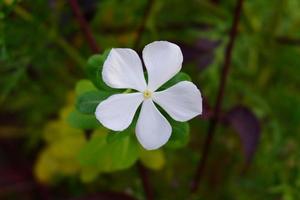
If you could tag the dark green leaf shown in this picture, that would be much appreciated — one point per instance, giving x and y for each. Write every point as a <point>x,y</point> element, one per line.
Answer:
<point>180,134</point>
<point>88,101</point>
<point>113,136</point>
<point>82,121</point>
<point>94,69</point>
<point>180,131</point>
<point>181,76</point>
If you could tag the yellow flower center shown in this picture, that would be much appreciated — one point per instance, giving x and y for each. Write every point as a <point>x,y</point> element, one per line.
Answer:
<point>147,94</point>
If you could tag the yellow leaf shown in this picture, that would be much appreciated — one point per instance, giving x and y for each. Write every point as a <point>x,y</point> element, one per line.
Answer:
<point>58,129</point>
<point>44,168</point>
<point>152,159</point>
<point>89,173</point>
<point>9,2</point>
<point>65,111</point>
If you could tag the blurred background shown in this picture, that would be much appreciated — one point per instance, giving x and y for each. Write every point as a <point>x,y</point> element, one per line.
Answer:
<point>44,47</point>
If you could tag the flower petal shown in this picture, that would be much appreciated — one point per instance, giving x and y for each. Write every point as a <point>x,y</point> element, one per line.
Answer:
<point>116,112</point>
<point>152,129</point>
<point>123,69</point>
<point>163,60</point>
<point>182,101</point>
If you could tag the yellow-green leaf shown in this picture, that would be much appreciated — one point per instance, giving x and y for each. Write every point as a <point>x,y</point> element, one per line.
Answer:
<point>152,159</point>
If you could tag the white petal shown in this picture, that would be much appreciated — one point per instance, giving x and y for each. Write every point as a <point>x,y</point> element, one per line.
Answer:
<point>123,69</point>
<point>182,101</point>
<point>116,112</point>
<point>163,60</point>
<point>152,129</point>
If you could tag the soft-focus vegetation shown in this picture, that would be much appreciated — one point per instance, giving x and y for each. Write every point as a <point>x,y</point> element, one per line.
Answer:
<point>52,147</point>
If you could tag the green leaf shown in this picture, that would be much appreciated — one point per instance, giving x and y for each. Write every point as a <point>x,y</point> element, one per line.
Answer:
<point>108,157</point>
<point>94,69</point>
<point>181,76</point>
<point>82,121</point>
<point>113,136</point>
<point>180,131</point>
<point>83,86</point>
<point>88,101</point>
<point>94,151</point>
<point>180,134</point>
<point>10,83</point>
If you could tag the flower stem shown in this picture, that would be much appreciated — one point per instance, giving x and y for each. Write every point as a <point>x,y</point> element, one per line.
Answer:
<point>218,105</point>
<point>143,23</point>
<point>84,26</point>
<point>145,181</point>
<point>288,41</point>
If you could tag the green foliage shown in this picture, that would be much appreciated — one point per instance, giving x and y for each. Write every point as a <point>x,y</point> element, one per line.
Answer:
<point>180,134</point>
<point>181,76</point>
<point>82,121</point>
<point>87,102</point>
<point>109,157</point>
<point>84,86</point>
<point>94,70</point>
<point>43,55</point>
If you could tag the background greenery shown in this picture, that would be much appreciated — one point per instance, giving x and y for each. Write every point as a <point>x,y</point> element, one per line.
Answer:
<point>51,150</point>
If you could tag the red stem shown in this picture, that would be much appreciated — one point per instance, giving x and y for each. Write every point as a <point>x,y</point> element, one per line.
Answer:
<point>143,23</point>
<point>218,105</point>
<point>84,26</point>
<point>215,1</point>
<point>145,181</point>
<point>288,41</point>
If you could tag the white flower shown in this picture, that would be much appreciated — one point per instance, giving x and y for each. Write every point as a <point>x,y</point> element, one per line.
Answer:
<point>123,69</point>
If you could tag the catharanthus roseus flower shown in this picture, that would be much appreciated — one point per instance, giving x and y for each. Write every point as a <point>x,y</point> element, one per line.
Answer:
<point>123,69</point>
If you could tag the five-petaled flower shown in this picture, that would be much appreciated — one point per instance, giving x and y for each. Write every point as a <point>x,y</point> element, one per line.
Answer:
<point>123,69</point>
